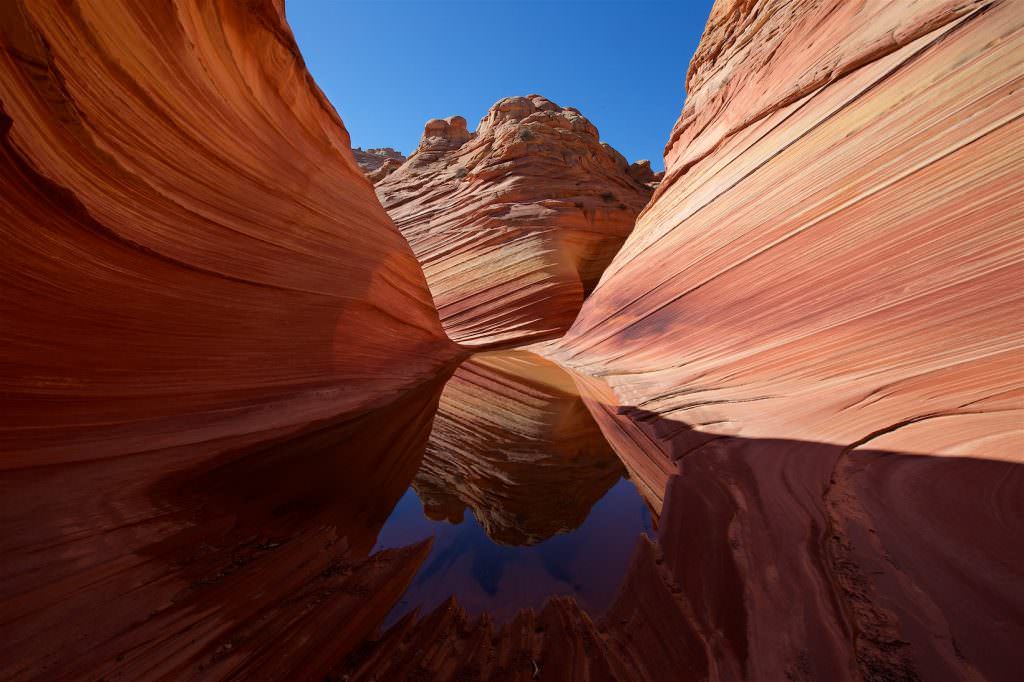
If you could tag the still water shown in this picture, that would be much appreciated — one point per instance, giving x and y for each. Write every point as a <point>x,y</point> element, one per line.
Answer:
<point>520,493</point>
<point>492,485</point>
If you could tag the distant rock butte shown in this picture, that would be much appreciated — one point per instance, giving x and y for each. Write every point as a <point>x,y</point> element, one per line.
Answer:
<point>641,172</point>
<point>371,160</point>
<point>192,240</point>
<point>385,169</point>
<point>513,223</point>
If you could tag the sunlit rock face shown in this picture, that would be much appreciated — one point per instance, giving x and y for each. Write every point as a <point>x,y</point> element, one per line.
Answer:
<point>513,441</point>
<point>811,342</point>
<point>378,163</point>
<point>187,239</point>
<point>372,159</point>
<point>834,252</point>
<point>514,222</point>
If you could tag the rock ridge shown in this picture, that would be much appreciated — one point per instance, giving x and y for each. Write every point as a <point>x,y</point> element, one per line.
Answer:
<point>515,221</point>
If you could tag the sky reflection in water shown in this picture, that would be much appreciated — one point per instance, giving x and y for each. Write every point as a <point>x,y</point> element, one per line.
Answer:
<point>587,563</point>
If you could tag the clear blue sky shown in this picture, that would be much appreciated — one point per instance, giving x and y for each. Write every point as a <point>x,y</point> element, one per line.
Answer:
<point>390,65</point>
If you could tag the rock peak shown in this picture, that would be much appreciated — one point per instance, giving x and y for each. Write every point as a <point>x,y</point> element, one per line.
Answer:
<point>533,185</point>
<point>444,134</point>
<point>536,109</point>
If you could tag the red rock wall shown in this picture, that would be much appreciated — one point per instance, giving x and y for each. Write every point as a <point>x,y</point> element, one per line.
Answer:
<point>188,248</point>
<point>515,222</point>
<point>244,558</point>
<point>812,343</point>
<point>835,253</point>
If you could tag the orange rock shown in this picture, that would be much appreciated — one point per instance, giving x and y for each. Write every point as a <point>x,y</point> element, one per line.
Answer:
<point>385,169</point>
<point>372,160</point>
<point>248,557</point>
<point>513,223</point>
<point>189,248</point>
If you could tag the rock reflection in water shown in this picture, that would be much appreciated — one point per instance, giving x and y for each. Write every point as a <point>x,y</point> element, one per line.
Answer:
<point>549,510</point>
<point>244,558</point>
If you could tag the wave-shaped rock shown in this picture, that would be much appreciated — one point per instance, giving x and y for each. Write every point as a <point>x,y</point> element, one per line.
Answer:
<point>515,222</point>
<point>189,248</point>
<point>834,252</point>
<point>811,342</point>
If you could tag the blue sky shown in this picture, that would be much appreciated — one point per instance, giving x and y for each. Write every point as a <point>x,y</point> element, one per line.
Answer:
<point>390,65</point>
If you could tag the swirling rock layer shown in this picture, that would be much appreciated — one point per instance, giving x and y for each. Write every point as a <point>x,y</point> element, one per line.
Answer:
<point>186,239</point>
<point>811,342</point>
<point>515,222</point>
<point>834,253</point>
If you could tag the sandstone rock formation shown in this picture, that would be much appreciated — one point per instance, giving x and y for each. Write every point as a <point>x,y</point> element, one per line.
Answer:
<point>515,222</point>
<point>385,169</point>
<point>371,160</point>
<point>513,441</point>
<point>641,172</point>
<point>813,338</point>
<point>807,355</point>
<point>189,248</point>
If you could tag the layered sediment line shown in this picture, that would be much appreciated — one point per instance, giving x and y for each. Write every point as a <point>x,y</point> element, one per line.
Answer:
<point>834,254</point>
<point>514,222</point>
<point>186,237</point>
<point>812,340</point>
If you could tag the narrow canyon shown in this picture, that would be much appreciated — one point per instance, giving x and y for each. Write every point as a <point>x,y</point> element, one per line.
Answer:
<point>512,407</point>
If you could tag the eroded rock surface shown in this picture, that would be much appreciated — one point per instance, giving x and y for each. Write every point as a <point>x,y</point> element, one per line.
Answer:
<point>515,222</point>
<point>187,239</point>
<point>807,356</point>
<point>372,160</point>
<point>819,263</point>
<point>811,342</point>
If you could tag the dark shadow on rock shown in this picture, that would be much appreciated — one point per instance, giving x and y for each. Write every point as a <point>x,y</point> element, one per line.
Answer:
<point>776,559</point>
<point>802,560</point>
<point>247,557</point>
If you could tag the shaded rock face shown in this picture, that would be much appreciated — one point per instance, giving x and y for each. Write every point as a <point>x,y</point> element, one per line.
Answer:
<point>187,238</point>
<point>811,343</point>
<point>248,558</point>
<point>515,222</point>
<point>513,441</point>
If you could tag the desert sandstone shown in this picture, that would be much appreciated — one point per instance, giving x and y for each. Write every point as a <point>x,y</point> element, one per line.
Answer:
<point>812,343</point>
<point>515,222</point>
<point>222,361</point>
<point>187,239</point>
<point>514,444</point>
